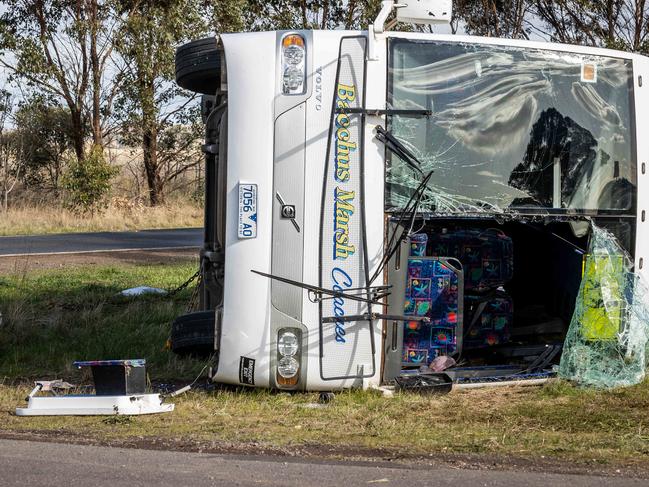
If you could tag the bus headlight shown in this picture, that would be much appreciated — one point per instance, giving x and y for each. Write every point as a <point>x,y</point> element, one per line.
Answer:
<point>288,367</point>
<point>287,344</point>
<point>293,65</point>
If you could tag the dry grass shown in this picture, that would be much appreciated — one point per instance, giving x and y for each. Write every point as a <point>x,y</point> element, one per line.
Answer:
<point>554,422</point>
<point>122,214</point>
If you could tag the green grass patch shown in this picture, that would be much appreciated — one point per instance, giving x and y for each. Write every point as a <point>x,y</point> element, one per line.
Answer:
<point>51,318</point>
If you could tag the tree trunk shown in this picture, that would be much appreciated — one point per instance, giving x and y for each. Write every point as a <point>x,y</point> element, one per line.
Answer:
<point>5,193</point>
<point>77,133</point>
<point>639,21</point>
<point>96,74</point>
<point>608,17</point>
<point>150,142</point>
<point>150,156</point>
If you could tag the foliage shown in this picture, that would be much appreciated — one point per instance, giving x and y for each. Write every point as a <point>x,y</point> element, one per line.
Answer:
<point>493,18</point>
<point>616,24</point>
<point>46,135</point>
<point>310,14</point>
<point>87,182</point>
<point>151,103</point>
<point>62,49</point>
<point>228,15</point>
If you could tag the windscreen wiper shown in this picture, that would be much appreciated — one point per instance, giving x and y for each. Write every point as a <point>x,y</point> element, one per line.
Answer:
<point>393,145</point>
<point>409,213</point>
<point>406,221</point>
<point>373,295</point>
<point>378,112</point>
<point>374,316</point>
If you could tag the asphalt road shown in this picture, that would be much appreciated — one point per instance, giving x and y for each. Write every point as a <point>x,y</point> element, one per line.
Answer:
<point>100,242</point>
<point>27,463</point>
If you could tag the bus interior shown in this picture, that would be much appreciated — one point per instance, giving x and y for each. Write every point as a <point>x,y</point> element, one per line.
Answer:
<point>500,295</point>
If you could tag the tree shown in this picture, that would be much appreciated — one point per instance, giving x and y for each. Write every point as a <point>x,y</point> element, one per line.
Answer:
<point>63,48</point>
<point>151,104</point>
<point>46,134</point>
<point>87,182</point>
<point>616,24</point>
<point>493,18</point>
<point>9,162</point>
<point>310,14</point>
<point>228,15</point>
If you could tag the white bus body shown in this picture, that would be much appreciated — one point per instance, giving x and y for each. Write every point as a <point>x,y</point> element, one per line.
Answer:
<point>279,152</point>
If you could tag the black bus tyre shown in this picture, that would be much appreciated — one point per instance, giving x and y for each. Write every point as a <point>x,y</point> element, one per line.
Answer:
<point>193,333</point>
<point>198,66</point>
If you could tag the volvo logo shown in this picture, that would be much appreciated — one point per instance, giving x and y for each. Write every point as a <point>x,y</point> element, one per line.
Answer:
<point>287,211</point>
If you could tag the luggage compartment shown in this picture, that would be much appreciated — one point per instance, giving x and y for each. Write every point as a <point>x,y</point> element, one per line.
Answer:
<point>519,283</point>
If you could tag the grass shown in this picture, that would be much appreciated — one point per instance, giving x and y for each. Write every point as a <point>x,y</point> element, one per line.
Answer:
<point>120,215</point>
<point>557,421</point>
<point>52,318</point>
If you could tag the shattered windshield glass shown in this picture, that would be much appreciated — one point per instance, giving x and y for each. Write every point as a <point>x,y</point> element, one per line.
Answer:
<point>511,129</point>
<point>607,340</point>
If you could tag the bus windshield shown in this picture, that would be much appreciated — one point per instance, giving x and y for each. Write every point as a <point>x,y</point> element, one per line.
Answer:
<point>511,129</point>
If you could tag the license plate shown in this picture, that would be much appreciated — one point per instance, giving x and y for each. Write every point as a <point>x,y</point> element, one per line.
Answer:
<point>247,210</point>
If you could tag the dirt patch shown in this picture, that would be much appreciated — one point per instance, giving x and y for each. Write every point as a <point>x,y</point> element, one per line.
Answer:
<point>28,263</point>
<point>348,453</point>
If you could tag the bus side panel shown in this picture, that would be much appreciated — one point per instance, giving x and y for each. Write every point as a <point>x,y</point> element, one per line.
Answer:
<point>641,72</point>
<point>245,335</point>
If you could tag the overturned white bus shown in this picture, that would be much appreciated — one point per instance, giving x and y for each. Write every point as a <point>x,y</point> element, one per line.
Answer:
<point>378,202</point>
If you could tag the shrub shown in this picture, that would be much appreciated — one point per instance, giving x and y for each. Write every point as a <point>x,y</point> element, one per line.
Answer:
<point>87,182</point>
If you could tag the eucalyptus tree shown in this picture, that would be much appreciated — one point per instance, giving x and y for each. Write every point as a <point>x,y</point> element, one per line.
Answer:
<point>44,132</point>
<point>310,14</point>
<point>616,24</point>
<point>157,115</point>
<point>64,49</point>
<point>9,162</point>
<point>494,18</point>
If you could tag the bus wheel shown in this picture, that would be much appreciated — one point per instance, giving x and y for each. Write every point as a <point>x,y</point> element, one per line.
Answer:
<point>198,66</point>
<point>193,333</point>
<point>326,397</point>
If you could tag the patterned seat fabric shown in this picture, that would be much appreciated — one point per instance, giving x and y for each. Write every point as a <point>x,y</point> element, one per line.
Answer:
<point>433,290</point>
<point>487,256</point>
<point>488,319</point>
